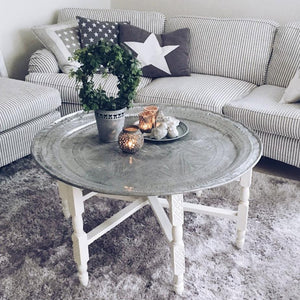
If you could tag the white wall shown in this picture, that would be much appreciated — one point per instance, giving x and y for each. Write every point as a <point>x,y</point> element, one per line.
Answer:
<point>18,16</point>
<point>282,11</point>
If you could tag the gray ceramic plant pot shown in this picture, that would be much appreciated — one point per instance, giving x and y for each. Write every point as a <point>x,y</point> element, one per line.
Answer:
<point>109,124</point>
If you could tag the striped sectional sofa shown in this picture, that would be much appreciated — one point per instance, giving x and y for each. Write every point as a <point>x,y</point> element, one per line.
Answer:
<point>240,68</point>
<point>25,109</point>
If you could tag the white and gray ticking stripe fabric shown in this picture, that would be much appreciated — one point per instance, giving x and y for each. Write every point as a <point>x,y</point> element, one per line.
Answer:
<point>43,61</point>
<point>235,48</point>
<point>111,88</point>
<point>60,81</point>
<point>67,85</point>
<point>199,91</point>
<point>281,148</point>
<point>69,108</point>
<point>261,111</point>
<point>285,59</point>
<point>16,143</point>
<point>148,20</point>
<point>22,101</point>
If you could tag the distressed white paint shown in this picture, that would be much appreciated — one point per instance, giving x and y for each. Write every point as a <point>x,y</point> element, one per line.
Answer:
<point>210,211</point>
<point>243,208</point>
<point>115,220</point>
<point>177,245</point>
<point>64,192</point>
<point>73,204</point>
<point>162,217</point>
<point>79,237</point>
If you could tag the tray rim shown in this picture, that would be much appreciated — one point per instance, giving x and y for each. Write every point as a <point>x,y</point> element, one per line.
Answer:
<point>238,171</point>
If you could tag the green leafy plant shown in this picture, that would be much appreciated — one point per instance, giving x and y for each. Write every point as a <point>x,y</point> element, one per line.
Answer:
<point>115,60</point>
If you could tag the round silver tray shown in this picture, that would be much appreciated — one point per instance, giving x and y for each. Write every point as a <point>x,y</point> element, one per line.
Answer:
<point>182,128</point>
<point>216,151</point>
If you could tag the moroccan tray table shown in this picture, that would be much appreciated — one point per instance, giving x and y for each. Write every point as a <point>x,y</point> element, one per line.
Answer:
<point>216,151</point>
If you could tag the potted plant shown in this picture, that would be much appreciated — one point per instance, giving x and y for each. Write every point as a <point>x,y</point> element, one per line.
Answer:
<point>109,111</point>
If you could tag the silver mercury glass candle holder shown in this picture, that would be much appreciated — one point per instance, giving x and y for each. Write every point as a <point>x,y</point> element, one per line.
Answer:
<point>131,139</point>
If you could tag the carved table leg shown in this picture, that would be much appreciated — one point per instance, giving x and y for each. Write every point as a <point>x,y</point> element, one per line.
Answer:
<point>243,207</point>
<point>79,237</point>
<point>63,190</point>
<point>177,245</point>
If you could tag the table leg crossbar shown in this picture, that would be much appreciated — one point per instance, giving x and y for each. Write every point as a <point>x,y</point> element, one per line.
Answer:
<point>172,226</point>
<point>162,217</point>
<point>205,210</point>
<point>115,220</point>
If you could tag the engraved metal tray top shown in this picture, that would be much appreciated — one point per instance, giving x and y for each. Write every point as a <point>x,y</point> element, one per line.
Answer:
<point>182,131</point>
<point>217,150</point>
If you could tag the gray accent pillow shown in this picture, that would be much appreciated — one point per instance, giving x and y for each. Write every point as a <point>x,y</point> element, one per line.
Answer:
<point>62,40</point>
<point>93,31</point>
<point>70,38</point>
<point>160,55</point>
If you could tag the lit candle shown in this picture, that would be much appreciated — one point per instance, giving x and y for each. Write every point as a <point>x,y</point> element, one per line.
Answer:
<point>131,139</point>
<point>145,121</point>
<point>154,112</point>
<point>130,144</point>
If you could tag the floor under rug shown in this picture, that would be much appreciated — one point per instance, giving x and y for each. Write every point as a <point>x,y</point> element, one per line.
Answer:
<point>133,261</point>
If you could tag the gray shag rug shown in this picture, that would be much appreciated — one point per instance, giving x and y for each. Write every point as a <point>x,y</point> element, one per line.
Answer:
<point>133,260</point>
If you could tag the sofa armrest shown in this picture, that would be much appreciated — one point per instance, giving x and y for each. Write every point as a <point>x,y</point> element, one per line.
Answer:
<point>43,61</point>
<point>3,71</point>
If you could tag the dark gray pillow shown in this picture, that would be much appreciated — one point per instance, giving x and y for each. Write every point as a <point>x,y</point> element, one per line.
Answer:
<point>92,31</point>
<point>160,55</point>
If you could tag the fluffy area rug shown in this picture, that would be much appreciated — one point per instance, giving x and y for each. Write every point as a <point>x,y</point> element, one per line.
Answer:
<point>133,260</point>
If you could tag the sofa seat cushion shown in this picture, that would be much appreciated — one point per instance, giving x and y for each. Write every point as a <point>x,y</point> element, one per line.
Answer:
<point>261,111</point>
<point>67,85</point>
<point>23,101</point>
<point>199,91</point>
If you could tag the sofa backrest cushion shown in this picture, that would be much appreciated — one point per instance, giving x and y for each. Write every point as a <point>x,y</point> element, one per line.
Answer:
<point>285,59</point>
<point>148,20</point>
<point>236,48</point>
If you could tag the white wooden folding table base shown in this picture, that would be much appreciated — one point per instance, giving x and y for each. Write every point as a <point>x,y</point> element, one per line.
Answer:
<point>172,226</point>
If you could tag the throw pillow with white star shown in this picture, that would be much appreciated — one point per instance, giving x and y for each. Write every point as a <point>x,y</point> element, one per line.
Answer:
<point>160,55</point>
<point>92,31</point>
